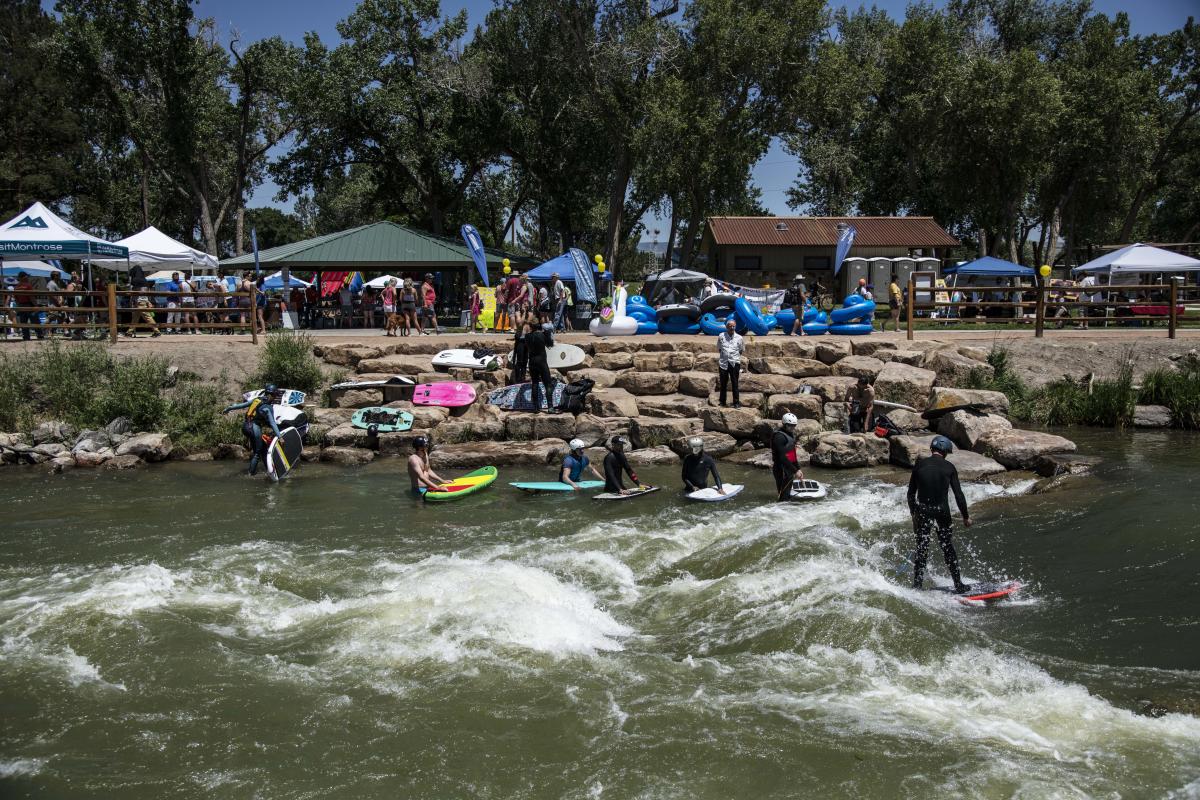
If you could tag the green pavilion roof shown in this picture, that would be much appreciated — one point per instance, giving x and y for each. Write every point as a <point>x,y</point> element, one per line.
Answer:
<point>379,245</point>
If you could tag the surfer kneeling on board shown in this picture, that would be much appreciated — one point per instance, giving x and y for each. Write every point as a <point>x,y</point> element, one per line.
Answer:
<point>785,467</point>
<point>614,464</point>
<point>420,474</point>
<point>258,417</point>
<point>931,479</point>
<point>574,464</point>
<point>697,465</point>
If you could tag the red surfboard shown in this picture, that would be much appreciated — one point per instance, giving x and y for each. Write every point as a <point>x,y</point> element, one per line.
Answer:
<point>984,592</point>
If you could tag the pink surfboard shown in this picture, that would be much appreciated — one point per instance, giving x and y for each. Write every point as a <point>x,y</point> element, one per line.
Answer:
<point>446,395</point>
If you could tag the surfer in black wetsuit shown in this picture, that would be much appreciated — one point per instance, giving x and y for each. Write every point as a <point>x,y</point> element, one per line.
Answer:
<point>697,465</point>
<point>536,344</point>
<point>931,479</point>
<point>258,417</point>
<point>616,463</point>
<point>520,360</point>
<point>784,464</point>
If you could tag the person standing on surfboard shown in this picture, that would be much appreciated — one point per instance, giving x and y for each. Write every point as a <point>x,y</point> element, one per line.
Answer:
<point>574,464</point>
<point>420,474</point>
<point>931,479</point>
<point>616,463</point>
<point>258,417</point>
<point>697,466</point>
<point>784,464</point>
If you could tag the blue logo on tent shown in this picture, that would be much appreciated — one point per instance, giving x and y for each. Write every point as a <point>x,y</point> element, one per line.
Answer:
<point>31,222</point>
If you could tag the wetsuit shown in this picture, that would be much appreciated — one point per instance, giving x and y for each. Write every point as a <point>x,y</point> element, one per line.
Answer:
<point>614,464</point>
<point>520,357</point>
<point>257,419</point>
<point>539,369</point>
<point>783,460</point>
<point>696,469</point>
<point>931,480</point>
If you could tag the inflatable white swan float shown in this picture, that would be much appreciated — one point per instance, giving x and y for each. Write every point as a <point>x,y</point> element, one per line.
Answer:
<point>620,325</point>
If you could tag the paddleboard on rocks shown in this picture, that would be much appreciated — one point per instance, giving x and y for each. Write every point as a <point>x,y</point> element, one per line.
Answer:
<point>291,397</point>
<point>466,359</point>
<point>446,395</point>
<point>395,380</point>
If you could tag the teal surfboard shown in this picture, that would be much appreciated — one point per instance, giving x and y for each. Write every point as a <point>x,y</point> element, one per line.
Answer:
<point>534,487</point>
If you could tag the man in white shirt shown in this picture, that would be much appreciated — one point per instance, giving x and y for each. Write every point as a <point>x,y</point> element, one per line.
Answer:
<point>730,347</point>
<point>559,296</point>
<point>1089,282</point>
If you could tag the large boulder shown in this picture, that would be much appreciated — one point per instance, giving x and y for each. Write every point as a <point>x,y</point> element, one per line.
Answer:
<point>126,461</point>
<point>974,353</point>
<point>807,432</point>
<point>738,422</point>
<point>788,365</point>
<point>910,357</point>
<point>907,421</point>
<point>615,402</point>
<point>973,466</point>
<point>357,398</point>
<point>346,435</point>
<point>715,444</point>
<point>1017,449</point>
<point>830,387</point>
<point>760,458</point>
<point>965,429</point>
<point>596,431</point>
<point>471,455</point>
<point>347,456</point>
<point>870,346</point>
<point>804,406</point>
<point>671,405</point>
<point>526,427</point>
<point>657,456</point>
<point>707,362</point>
<point>905,450</point>
<point>948,396</point>
<point>411,365</point>
<point>328,416</point>
<point>1151,417</point>
<point>1056,464</point>
<point>53,432</point>
<point>900,383</point>
<point>643,383</point>
<point>119,426</point>
<point>612,361</point>
<point>399,443</point>
<point>697,384</point>
<point>87,458</point>
<point>836,416</point>
<point>146,446</point>
<point>349,355</point>
<point>602,378</point>
<point>653,431</point>
<point>954,369</point>
<point>753,400</point>
<point>673,361</point>
<point>472,429</point>
<point>844,451</point>
<point>858,367</point>
<point>831,352</point>
<point>768,384</point>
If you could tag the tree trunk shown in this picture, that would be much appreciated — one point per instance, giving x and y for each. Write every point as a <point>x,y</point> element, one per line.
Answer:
<point>239,231</point>
<point>1050,235</point>
<point>689,241</point>
<point>982,249</point>
<point>145,190</point>
<point>616,208</point>
<point>207,231</point>
<point>1135,208</point>
<point>671,232</point>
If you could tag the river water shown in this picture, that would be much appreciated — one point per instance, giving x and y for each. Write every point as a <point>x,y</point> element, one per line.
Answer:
<point>185,632</point>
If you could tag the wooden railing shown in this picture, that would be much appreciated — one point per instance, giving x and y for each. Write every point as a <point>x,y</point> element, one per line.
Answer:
<point>1047,298</point>
<point>103,311</point>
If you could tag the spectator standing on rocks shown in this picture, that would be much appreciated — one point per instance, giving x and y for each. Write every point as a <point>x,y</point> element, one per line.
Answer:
<point>860,405</point>
<point>794,298</point>
<point>730,347</point>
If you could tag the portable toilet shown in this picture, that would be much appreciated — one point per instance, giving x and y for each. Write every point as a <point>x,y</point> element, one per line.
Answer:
<point>928,264</point>
<point>852,270</point>
<point>903,267</point>
<point>880,276</point>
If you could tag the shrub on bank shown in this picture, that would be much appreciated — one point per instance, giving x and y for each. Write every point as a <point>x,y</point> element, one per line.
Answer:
<point>85,385</point>
<point>1105,403</point>
<point>288,362</point>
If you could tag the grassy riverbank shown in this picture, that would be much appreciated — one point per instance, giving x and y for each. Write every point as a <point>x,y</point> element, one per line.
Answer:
<point>1105,402</point>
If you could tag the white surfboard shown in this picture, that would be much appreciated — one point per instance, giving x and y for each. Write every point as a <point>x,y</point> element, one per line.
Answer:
<point>562,356</point>
<point>901,406</point>
<point>291,397</point>
<point>711,495</point>
<point>807,490</point>
<point>395,380</point>
<point>464,359</point>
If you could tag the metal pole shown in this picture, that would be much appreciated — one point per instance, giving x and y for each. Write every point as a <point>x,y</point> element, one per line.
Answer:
<point>1173,314</point>
<point>912,298</point>
<point>1039,317</point>
<point>253,318</point>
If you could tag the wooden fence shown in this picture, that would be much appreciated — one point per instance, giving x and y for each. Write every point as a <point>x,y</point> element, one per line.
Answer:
<point>113,311</point>
<point>1117,305</point>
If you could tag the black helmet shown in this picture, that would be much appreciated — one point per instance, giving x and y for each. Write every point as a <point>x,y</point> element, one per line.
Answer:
<point>618,443</point>
<point>270,388</point>
<point>941,444</point>
<point>420,442</point>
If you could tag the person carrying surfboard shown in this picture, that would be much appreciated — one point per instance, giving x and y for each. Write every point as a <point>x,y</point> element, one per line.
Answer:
<point>616,463</point>
<point>420,473</point>
<point>257,418</point>
<point>697,466</point>
<point>928,503</point>
<point>785,467</point>
<point>574,464</point>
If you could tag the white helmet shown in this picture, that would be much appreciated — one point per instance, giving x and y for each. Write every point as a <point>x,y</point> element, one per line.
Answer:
<point>576,444</point>
<point>697,444</point>
<point>790,419</point>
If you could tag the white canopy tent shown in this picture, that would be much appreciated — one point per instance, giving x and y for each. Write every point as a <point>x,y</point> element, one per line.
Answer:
<point>1139,258</point>
<point>37,232</point>
<point>381,281</point>
<point>152,246</point>
<point>34,269</point>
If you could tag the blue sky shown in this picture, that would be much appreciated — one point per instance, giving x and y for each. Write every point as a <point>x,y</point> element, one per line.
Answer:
<point>291,19</point>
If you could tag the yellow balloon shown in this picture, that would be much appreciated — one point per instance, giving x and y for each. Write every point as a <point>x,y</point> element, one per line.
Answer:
<point>1044,271</point>
<point>600,265</point>
<point>599,259</point>
<point>505,262</point>
<point>507,268</point>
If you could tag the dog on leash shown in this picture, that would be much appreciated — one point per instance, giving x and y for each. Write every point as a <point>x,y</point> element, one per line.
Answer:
<point>393,324</point>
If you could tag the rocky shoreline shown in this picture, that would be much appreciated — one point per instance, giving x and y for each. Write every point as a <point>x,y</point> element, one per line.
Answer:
<point>658,394</point>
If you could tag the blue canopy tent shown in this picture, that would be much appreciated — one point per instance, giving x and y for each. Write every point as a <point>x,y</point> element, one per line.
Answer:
<point>990,267</point>
<point>564,265</point>
<point>275,282</point>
